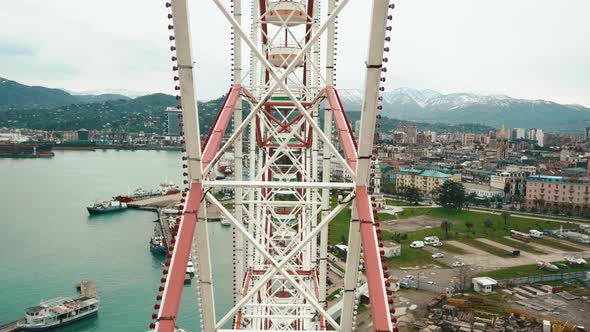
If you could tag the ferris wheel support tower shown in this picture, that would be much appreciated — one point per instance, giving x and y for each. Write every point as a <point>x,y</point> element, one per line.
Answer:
<point>282,208</point>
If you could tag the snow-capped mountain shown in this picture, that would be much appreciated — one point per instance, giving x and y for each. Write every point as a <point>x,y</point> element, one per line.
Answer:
<point>492,110</point>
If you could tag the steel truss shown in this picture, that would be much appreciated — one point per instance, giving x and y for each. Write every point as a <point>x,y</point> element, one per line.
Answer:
<point>282,207</point>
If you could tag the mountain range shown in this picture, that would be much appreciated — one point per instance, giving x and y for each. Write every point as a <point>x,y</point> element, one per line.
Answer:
<point>47,108</point>
<point>14,95</point>
<point>493,110</point>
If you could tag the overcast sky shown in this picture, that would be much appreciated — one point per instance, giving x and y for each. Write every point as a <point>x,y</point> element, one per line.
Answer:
<point>535,49</point>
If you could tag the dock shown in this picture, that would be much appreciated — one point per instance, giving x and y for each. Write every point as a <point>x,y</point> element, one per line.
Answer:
<point>11,326</point>
<point>87,288</point>
<point>155,203</point>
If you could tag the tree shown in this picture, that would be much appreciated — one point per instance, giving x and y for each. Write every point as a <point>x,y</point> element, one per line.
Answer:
<point>446,225</point>
<point>469,225</point>
<point>488,222</point>
<point>471,199</point>
<point>505,216</point>
<point>412,195</point>
<point>451,195</point>
<point>463,278</point>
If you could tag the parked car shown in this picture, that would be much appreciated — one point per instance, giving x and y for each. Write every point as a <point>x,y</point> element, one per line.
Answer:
<point>417,244</point>
<point>405,284</point>
<point>458,264</point>
<point>438,255</point>
<point>409,277</point>
<point>437,244</point>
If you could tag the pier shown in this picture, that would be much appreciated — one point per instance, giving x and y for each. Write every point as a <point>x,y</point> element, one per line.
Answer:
<point>87,288</point>
<point>155,203</point>
<point>11,326</point>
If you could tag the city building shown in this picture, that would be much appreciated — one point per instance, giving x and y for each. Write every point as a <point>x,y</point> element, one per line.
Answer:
<point>536,134</point>
<point>391,249</point>
<point>518,133</point>
<point>425,180</point>
<point>483,191</point>
<point>477,176</point>
<point>410,131</point>
<point>512,182</point>
<point>483,284</point>
<point>83,135</point>
<point>553,191</point>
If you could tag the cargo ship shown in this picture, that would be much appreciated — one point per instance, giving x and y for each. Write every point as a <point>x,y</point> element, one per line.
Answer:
<point>75,145</point>
<point>165,188</point>
<point>26,150</point>
<point>106,207</point>
<point>58,312</point>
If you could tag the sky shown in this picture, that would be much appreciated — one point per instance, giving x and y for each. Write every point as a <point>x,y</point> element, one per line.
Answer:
<point>532,49</point>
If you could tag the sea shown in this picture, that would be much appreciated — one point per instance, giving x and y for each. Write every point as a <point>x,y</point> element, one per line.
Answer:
<point>48,241</point>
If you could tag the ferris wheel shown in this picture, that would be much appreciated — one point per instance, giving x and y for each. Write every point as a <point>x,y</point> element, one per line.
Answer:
<point>297,166</point>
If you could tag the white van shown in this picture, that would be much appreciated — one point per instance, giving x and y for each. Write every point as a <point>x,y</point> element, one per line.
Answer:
<point>417,244</point>
<point>536,234</point>
<point>431,239</point>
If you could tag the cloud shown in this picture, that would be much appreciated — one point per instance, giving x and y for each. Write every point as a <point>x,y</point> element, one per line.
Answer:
<point>519,48</point>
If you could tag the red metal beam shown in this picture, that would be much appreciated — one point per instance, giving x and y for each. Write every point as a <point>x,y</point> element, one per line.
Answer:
<point>219,127</point>
<point>377,291</point>
<point>344,130</point>
<point>175,279</point>
<point>305,104</point>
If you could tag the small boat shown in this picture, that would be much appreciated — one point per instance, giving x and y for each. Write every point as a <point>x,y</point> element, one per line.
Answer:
<point>168,188</point>
<point>106,207</point>
<point>572,260</point>
<point>190,267</point>
<point>547,266</point>
<point>224,222</point>
<point>157,246</point>
<point>57,312</point>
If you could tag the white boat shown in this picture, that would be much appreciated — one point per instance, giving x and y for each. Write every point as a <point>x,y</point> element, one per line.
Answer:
<point>224,222</point>
<point>57,312</point>
<point>547,266</point>
<point>190,267</point>
<point>572,260</point>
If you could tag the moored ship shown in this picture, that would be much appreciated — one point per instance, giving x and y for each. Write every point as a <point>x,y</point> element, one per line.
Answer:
<point>75,145</point>
<point>57,312</point>
<point>26,150</point>
<point>165,188</point>
<point>106,207</point>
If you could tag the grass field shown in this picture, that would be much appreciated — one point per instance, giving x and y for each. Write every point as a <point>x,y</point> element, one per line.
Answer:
<point>487,248</point>
<point>411,212</point>
<point>556,245</point>
<point>453,249</point>
<point>528,270</point>
<point>395,202</point>
<point>459,229</point>
<point>411,257</point>
<point>340,225</point>
<point>517,245</point>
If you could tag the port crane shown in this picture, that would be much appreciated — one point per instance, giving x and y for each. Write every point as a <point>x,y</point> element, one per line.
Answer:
<point>296,162</point>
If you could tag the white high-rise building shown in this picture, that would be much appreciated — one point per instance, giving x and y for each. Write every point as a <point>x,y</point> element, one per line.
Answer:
<point>518,133</point>
<point>536,134</point>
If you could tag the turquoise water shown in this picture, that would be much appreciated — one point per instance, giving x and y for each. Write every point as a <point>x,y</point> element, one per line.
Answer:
<point>48,242</point>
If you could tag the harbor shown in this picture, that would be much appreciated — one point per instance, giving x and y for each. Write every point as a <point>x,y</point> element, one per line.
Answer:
<point>57,242</point>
